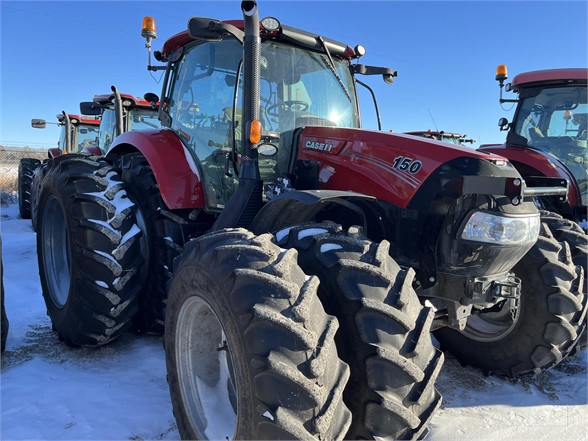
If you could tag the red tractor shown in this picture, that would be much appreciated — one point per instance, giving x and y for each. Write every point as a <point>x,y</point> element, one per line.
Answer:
<point>440,135</point>
<point>76,133</point>
<point>548,138</point>
<point>293,310</point>
<point>120,113</point>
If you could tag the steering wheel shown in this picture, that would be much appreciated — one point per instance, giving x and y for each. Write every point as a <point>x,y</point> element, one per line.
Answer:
<point>288,106</point>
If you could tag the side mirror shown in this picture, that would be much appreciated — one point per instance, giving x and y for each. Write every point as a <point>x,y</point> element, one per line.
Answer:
<point>210,29</point>
<point>503,124</point>
<point>151,98</point>
<point>38,123</point>
<point>90,108</point>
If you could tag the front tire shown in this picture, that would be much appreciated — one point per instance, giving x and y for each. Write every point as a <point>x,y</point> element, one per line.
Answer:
<point>544,328</point>
<point>88,251</point>
<point>384,334</point>
<point>249,349</point>
<point>26,169</point>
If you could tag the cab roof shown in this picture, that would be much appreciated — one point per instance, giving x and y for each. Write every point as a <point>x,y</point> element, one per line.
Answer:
<point>292,35</point>
<point>128,100</point>
<point>553,76</point>
<point>77,119</point>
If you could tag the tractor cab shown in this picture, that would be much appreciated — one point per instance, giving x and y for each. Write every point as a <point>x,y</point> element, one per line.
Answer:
<point>302,82</point>
<point>77,132</point>
<point>121,113</point>
<point>550,120</point>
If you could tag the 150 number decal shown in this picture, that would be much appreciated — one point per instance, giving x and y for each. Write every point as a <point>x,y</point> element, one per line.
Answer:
<point>410,165</point>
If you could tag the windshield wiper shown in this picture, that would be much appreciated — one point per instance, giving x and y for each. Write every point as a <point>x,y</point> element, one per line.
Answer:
<point>331,66</point>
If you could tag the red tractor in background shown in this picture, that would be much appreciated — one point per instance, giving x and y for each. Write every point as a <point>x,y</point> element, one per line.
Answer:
<point>315,257</point>
<point>76,133</point>
<point>548,138</point>
<point>440,135</point>
<point>120,113</point>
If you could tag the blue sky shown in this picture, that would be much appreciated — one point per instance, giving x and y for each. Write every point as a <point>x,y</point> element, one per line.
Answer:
<point>56,54</point>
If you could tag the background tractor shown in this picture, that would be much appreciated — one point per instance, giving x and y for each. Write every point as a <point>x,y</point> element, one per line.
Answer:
<point>322,256</point>
<point>548,137</point>
<point>120,113</point>
<point>76,133</point>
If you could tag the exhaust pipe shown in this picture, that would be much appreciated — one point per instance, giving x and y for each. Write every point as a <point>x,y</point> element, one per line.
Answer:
<point>247,200</point>
<point>118,112</point>
<point>68,130</point>
<point>251,55</point>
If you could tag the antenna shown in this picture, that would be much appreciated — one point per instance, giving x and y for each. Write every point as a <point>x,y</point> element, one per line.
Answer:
<point>432,119</point>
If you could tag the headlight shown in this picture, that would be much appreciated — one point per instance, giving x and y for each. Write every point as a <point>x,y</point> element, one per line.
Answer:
<point>500,230</point>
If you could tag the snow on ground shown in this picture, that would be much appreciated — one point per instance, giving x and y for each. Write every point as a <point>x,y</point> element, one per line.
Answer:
<point>119,392</point>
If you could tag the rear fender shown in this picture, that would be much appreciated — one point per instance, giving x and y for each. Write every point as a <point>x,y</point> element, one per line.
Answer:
<point>92,151</point>
<point>53,153</point>
<point>175,170</point>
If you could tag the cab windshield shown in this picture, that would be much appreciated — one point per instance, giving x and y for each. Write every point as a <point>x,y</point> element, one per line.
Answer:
<point>555,120</point>
<point>297,88</point>
<point>86,136</point>
<point>143,119</point>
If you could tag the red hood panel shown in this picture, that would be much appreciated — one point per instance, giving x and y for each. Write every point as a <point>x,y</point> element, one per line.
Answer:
<point>388,166</point>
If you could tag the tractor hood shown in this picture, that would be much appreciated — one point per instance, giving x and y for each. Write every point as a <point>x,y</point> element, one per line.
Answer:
<point>390,167</point>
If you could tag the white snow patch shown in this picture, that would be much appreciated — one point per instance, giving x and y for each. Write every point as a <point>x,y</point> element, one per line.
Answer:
<point>311,232</point>
<point>108,256</point>
<point>330,247</point>
<point>129,234</point>
<point>101,283</point>
<point>282,233</point>
<point>106,225</point>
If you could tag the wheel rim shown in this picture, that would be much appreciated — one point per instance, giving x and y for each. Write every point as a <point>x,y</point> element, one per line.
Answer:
<point>205,371</point>
<point>56,252</point>
<point>489,326</point>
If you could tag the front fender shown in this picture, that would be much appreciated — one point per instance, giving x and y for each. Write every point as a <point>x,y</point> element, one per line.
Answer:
<point>174,168</point>
<point>296,207</point>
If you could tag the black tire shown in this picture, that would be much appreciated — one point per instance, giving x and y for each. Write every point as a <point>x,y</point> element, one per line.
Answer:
<point>384,333</point>
<point>164,236</point>
<point>3,318</point>
<point>283,377</point>
<point>36,190</point>
<point>26,169</point>
<point>547,323</point>
<point>88,251</point>
<point>570,232</point>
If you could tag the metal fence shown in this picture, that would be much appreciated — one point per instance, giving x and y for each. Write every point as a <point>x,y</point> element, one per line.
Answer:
<point>9,160</point>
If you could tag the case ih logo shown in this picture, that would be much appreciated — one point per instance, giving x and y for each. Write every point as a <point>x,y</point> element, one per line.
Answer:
<point>322,146</point>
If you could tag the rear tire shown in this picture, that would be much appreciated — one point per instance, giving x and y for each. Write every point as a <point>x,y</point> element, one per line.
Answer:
<point>88,251</point>
<point>384,334</point>
<point>249,349</point>
<point>26,169</point>
<point>547,324</point>
<point>570,232</point>
<point>36,184</point>
<point>164,235</point>
<point>3,317</point>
